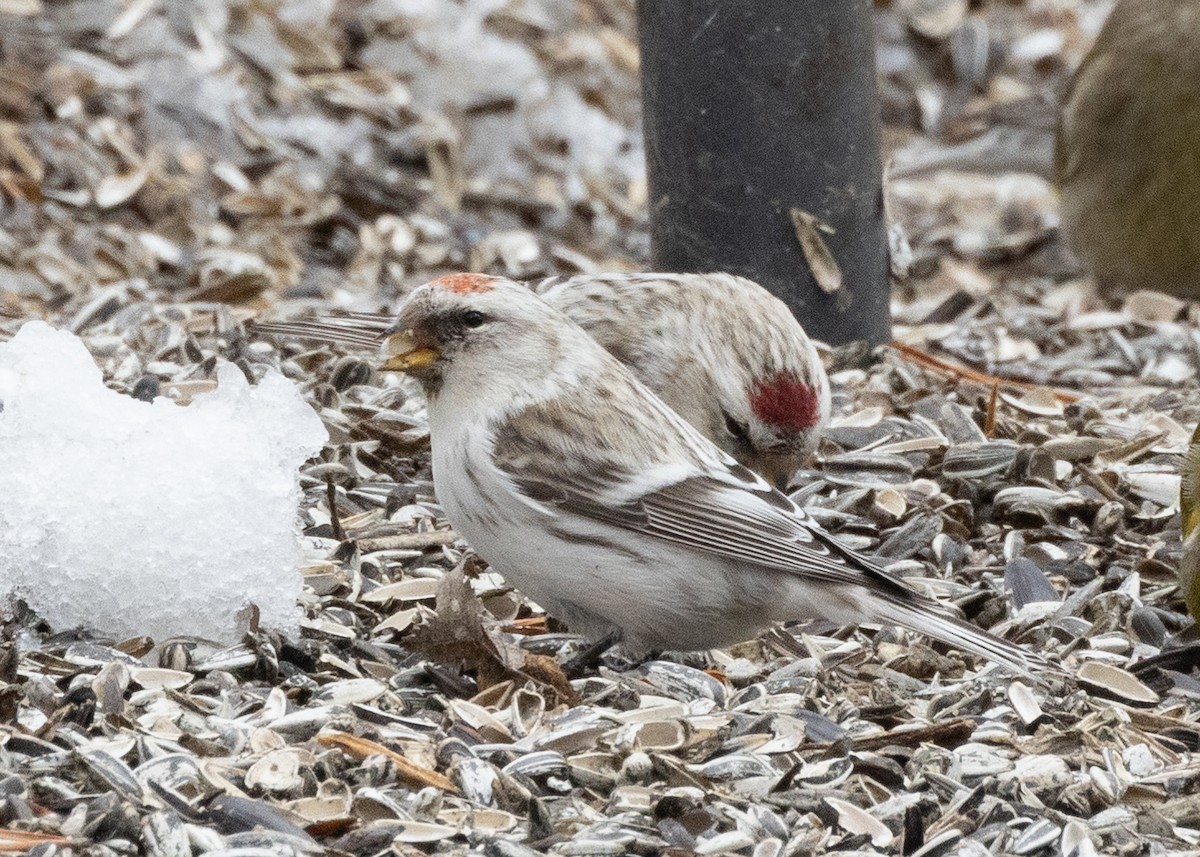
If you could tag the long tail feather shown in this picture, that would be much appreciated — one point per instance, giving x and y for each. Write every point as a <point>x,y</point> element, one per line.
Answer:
<point>953,631</point>
<point>361,333</point>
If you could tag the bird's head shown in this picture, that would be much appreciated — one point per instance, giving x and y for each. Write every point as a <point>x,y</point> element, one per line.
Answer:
<point>487,337</point>
<point>772,423</point>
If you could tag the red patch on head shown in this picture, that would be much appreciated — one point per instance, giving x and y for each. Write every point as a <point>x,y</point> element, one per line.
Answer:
<point>786,402</point>
<point>464,284</point>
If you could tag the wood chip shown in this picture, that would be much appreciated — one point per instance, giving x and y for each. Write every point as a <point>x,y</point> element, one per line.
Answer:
<point>360,748</point>
<point>409,541</point>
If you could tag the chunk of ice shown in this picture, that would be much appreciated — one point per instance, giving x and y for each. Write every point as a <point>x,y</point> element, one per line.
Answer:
<point>135,518</point>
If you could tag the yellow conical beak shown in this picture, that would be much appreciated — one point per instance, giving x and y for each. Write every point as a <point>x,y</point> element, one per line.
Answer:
<point>403,352</point>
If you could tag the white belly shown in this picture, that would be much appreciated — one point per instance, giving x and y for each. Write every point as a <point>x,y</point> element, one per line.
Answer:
<point>597,579</point>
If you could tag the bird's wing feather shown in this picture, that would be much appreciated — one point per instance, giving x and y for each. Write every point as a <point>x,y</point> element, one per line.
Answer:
<point>749,524</point>
<point>672,484</point>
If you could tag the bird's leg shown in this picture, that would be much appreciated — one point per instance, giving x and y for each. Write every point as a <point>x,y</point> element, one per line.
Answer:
<point>589,656</point>
<point>639,660</point>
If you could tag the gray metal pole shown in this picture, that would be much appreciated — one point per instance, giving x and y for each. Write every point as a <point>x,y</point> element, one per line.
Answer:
<point>755,109</point>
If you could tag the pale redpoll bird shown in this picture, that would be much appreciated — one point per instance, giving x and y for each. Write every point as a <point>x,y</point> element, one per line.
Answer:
<point>727,355</point>
<point>580,486</point>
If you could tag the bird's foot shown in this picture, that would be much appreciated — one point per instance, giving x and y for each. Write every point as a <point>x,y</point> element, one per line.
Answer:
<point>588,658</point>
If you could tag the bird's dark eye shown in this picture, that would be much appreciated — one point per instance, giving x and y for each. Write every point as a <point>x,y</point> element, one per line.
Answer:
<point>740,432</point>
<point>473,318</point>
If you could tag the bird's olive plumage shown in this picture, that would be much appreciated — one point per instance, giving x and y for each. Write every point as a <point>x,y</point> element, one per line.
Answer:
<point>1189,507</point>
<point>1127,158</point>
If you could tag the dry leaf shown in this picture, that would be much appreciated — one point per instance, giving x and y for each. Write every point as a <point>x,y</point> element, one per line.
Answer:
<point>464,633</point>
<point>459,633</point>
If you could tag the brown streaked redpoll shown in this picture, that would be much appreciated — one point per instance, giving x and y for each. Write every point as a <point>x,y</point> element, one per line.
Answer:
<point>721,350</point>
<point>579,485</point>
<point>727,355</point>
